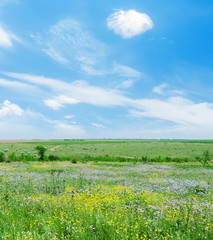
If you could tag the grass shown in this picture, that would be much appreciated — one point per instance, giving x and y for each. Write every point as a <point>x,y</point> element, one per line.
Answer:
<point>128,148</point>
<point>105,200</point>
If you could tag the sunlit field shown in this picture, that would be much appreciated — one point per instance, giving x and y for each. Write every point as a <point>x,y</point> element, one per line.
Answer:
<point>100,200</point>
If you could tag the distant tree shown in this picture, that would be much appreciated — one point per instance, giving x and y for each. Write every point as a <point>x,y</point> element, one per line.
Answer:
<point>206,157</point>
<point>41,151</point>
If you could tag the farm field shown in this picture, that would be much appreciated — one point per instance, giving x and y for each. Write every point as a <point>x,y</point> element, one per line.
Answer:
<point>102,200</point>
<point>127,148</point>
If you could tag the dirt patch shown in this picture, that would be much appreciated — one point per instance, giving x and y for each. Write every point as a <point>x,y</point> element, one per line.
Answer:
<point>52,149</point>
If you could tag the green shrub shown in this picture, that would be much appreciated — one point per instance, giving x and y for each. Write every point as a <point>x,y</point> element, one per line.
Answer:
<point>41,151</point>
<point>206,157</point>
<point>2,157</point>
<point>53,158</point>
<point>13,157</point>
<point>74,161</point>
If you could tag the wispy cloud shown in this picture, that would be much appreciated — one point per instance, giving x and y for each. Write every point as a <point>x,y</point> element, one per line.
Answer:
<point>160,89</point>
<point>74,92</point>
<point>97,125</point>
<point>177,110</point>
<point>6,38</point>
<point>129,23</point>
<point>67,42</point>
<point>69,116</point>
<point>17,85</point>
<point>125,71</point>
<point>59,101</point>
<point>126,84</point>
<point>26,124</point>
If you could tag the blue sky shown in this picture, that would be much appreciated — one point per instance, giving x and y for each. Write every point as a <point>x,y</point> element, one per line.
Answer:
<point>106,69</point>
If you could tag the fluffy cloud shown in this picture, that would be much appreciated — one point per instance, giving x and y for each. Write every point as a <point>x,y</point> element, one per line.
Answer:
<point>130,23</point>
<point>9,108</point>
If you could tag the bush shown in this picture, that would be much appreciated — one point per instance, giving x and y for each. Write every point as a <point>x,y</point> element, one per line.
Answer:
<point>41,151</point>
<point>206,157</point>
<point>2,157</point>
<point>13,157</point>
<point>53,158</point>
<point>74,161</point>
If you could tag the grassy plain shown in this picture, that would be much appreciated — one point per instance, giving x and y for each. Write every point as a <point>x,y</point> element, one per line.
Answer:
<point>61,200</point>
<point>129,148</point>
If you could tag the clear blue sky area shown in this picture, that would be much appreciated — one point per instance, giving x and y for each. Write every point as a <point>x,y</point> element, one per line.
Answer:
<point>106,69</point>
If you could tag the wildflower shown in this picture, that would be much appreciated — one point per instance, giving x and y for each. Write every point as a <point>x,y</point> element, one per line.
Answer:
<point>40,224</point>
<point>20,175</point>
<point>51,173</point>
<point>58,174</point>
<point>193,198</point>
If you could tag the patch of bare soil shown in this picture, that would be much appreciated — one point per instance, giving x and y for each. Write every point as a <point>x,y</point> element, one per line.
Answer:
<point>52,149</point>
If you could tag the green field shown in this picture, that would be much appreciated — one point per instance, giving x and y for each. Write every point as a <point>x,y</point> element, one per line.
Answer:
<point>96,195</point>
<point>61,200</point>
<point>131,148</point>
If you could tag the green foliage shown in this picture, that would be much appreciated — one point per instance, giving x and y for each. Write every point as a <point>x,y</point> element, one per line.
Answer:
<point>206,157</point>
<point>53,157</point>
<point>74,160</point>
<point>41,151</point>
<point>2,157</point>
<point>13,157</point>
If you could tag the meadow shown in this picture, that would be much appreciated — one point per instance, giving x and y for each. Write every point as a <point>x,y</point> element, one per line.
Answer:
<point>183,149</point>
<point>106,200</point>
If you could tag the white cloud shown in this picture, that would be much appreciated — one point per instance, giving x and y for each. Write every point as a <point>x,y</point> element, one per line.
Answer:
<point>97,125</point>
<point>59,101</point>
<point>32,125</point>
<point>92,71</point>
<point>177,110</point>
<point>9,108</point>
<point>17,85</point>
<point>126,84</point>
<point>160,89</point>
<point>82,92</point>
<point>129,23</point>
<point>55,55</point>
<point>69,116</point>
<point>68,43</point>
<point>125,71</point>
<point>5,38</point>
<point>75,92</point>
